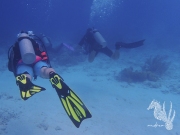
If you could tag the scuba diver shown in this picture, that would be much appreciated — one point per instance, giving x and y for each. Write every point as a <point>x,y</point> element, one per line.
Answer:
<point>93,43</point>
<point>55,49</point>
<point>28,59</point>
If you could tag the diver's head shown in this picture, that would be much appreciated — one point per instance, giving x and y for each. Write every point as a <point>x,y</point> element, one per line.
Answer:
<point>30,33</point>
<point>25,34</point>
<point>22,34</point>
<point>91,30</point>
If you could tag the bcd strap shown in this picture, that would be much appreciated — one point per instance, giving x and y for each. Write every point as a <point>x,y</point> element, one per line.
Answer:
<point>21,38</point>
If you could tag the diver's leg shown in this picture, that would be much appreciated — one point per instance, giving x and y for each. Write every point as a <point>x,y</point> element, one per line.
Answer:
<point>42,69</point>
<point>92,55</point>
<point>24,76</point>
<point>110,53</point>
<point>115,55</point>
<point>45,72</point>
<point>24,69</point>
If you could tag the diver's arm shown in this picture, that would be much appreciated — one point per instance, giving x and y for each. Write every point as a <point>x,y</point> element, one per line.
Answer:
<point>82,41</point>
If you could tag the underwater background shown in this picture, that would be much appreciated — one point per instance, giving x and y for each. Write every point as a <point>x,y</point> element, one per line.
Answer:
<point>156,20</point>
<point>117,93</point>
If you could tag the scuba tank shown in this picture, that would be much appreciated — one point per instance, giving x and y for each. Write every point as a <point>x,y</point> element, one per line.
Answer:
<point>26,48</point>
<point>99,38</point>
<point>10,59</point>
<point>43,43</point>
<point>46,41</point>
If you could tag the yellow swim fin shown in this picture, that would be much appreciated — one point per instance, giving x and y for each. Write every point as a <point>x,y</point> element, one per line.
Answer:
<point>74,107</point>
<point>27,88</point>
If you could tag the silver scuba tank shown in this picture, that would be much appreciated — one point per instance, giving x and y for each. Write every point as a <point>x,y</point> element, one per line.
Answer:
<point>99,38</point>
<point>46,41</point>
<point>26,49</point>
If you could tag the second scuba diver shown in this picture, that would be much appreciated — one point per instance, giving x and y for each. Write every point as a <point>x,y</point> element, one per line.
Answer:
<point>28,58</point>
<point>93,43</point>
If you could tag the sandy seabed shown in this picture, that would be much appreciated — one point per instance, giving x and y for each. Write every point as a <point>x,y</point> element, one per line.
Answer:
<point>118,108</point>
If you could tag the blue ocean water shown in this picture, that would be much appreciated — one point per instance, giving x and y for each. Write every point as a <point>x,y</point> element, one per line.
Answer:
<point>156,21</point>
<point>117,19</point>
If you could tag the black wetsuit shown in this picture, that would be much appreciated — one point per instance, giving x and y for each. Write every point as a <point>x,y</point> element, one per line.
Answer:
<point>90,44</point>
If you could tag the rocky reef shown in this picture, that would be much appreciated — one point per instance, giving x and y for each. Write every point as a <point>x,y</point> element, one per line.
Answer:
<point>152,70</point>
<point>156,65</point>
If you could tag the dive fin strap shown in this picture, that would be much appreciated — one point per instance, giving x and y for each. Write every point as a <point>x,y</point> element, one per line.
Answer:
<point>58,83</point>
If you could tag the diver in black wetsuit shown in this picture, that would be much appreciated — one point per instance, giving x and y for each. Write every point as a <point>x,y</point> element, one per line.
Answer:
<point>93,43</point>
